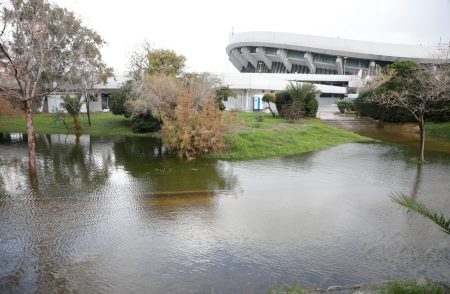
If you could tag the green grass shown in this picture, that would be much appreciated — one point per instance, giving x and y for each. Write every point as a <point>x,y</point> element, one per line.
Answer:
<point>441,130</point>
<point>103,124</point>
<point>394,287</point>
<point>277,137</point>
<point>248,138</point>
<point>288,289</point>
<point>413,287</point>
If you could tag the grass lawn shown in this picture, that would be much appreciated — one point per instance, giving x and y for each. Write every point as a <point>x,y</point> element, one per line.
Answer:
<point>441,130</point>
<point>103,124</point>
<point>250,139</point>
<point>247,139</point>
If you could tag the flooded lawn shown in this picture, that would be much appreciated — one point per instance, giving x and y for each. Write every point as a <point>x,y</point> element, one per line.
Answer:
<point>117,215</point>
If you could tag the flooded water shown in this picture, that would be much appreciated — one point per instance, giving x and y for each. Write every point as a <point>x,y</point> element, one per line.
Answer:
<point>115,215</point>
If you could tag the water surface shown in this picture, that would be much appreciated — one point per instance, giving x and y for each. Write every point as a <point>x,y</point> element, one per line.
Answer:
<point>116,215</point>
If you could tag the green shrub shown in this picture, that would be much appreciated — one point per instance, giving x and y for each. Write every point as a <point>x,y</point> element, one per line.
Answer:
<point>298,100</point>
<point>311,106</point>
<point>145,123</point>
<point>282,101</point>
<point>345,105</point>
<point>381,112</point>
<point>117,103</point>
<point>398,114</point>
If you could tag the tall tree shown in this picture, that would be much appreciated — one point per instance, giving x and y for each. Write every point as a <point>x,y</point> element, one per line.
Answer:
<point>145,60</point>
<point>165,61</point>
<point>40,43</point>
<point>419,90</point>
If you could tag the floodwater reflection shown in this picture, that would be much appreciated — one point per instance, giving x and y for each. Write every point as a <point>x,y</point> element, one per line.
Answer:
<point>119,215</point>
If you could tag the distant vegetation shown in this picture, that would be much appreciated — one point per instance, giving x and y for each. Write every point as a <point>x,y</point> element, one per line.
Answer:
<point>407,91</point>
<point>297,101</point>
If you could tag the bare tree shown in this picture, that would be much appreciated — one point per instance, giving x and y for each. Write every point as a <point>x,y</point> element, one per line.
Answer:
<point>40,44</point>
<point>139,61</point>
<point>89,72</point>
<point>421,92</point>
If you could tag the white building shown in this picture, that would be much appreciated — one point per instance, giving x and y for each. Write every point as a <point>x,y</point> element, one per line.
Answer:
<point>97,103</point>
<point>338,67</point>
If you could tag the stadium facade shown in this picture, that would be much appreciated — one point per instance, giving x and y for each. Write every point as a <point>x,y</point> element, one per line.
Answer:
<point>338,67</point>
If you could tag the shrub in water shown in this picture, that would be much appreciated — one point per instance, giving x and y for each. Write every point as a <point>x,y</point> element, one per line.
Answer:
<point>345,105</point>
<point>195,129</point>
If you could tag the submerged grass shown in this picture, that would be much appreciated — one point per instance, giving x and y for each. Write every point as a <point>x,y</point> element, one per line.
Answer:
<point>394,287</point>
<point>272,137</point>
<point>103,124</point>
<point>413,287</point>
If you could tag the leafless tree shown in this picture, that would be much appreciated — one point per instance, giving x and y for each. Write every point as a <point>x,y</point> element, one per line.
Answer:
<point>139,60</point>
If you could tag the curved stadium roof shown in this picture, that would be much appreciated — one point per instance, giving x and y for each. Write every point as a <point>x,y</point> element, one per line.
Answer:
<point>258,51</point>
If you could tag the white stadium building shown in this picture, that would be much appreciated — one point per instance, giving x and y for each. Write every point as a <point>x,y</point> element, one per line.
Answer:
<point>267,61</point>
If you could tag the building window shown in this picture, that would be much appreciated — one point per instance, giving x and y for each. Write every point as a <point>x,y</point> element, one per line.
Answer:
<point>94,98</point>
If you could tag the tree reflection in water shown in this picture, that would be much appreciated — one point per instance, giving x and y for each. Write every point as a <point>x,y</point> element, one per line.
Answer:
<point>170,183</point>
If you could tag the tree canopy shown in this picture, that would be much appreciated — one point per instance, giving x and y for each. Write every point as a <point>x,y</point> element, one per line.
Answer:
<point>165,61</point>
<point>40,46</point>
<point>416,89</point>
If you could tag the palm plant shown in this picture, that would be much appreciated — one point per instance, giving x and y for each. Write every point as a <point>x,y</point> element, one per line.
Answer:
<point>420,208</point>
<point>73,106</point>
<point>304,102</point>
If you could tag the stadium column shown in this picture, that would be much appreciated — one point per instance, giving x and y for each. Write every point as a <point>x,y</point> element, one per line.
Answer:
<point>262,55</point>
<point>310,61</point>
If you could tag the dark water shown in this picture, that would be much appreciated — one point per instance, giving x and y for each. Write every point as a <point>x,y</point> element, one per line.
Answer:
<point>113,215</point>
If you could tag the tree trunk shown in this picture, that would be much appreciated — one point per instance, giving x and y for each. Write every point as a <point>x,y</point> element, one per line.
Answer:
<point>271,111</point>
<point>31,139</point>
<point>88,99</point>
<point>422,139</point>
<point>76,124</point>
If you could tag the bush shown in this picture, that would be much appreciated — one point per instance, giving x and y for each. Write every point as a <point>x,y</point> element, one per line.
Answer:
<point>145,123</point>
<point>117,103</point>
<point>194,130</point>
<point>345,105</point>
<point>283,102</point>
<point>381,112</point>
<point>311,106</point>
<point>298,100</point>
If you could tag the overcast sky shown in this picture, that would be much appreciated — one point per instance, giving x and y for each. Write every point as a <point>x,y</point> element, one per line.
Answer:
<point>200,29</point>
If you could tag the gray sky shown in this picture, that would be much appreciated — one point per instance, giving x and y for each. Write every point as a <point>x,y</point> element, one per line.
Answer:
<point>200,29</point>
